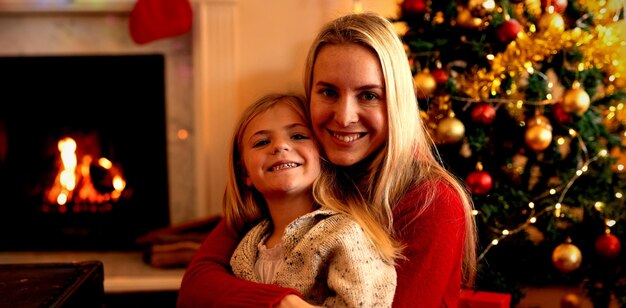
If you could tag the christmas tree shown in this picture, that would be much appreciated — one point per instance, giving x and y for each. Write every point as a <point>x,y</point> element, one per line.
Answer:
<point>525,99</point>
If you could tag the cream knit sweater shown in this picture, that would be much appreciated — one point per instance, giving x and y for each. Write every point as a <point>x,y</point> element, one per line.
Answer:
<point>328,259</point>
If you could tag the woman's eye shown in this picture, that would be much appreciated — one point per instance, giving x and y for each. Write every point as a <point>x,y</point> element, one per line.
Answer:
<point>328,92</point>
<point>260,143</point>
<point>369,96</point>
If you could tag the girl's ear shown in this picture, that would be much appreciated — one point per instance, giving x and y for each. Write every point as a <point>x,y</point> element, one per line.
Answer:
<point>248,181</point>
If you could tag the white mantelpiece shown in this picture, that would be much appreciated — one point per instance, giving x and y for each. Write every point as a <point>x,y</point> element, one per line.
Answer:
<point>200,79</point>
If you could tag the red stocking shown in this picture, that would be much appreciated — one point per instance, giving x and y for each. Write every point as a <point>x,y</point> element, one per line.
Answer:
<point>156,19</point>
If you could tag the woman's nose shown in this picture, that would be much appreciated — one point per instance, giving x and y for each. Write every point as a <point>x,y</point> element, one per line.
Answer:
<point>346,112</point>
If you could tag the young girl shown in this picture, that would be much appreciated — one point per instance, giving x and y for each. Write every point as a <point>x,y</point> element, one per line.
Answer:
<point>307,238</point>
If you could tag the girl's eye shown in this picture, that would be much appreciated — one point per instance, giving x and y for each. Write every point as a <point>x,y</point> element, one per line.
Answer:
<point>260,143</point>
<point>299,136</point>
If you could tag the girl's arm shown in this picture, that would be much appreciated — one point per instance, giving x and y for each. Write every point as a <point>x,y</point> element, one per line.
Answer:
<point>430,276</point>
<point>208,282</point>
<point>356,273</point>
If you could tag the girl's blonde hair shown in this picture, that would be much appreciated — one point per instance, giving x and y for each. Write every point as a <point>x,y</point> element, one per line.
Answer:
<point>243,205</point>
<point>409,157</point>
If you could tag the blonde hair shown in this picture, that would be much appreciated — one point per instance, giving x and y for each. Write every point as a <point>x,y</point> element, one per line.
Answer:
<point>244,205</point>
<point>409,156</point>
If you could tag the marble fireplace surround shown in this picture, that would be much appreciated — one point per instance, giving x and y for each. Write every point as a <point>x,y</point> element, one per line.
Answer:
<point>200,80</point>
<point>201,100</point>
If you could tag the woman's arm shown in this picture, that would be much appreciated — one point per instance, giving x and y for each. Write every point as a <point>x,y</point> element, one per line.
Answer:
<point>430,276</point>
<point>208,282</point>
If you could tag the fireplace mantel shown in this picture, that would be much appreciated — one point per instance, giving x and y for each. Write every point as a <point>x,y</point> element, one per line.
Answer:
<point>78,7</point>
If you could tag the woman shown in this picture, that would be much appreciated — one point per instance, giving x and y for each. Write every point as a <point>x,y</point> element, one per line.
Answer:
<point>364,112</point>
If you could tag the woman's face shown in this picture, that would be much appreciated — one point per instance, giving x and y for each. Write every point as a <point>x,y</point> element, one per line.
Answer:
<point>348,103</point>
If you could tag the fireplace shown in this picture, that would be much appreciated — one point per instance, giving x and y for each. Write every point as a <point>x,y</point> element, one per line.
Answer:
<point>200,100</point>
<point>83,161</point>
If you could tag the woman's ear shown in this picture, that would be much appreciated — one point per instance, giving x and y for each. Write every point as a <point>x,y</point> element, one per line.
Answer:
<point>248,181</point>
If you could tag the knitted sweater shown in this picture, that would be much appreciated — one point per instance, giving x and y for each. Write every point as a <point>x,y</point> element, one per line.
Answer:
<point>430,276</point>
<point>328,259</point>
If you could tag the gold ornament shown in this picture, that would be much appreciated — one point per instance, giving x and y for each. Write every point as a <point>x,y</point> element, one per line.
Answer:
<point>576,100</point>
<point>538,135</point>
<point>425,84</point>
<point>567,257</point>
<point>552,22</point>
<point>465,19</point>
<point>450,130</point>
<point>481,8</point>
<point>533,7</point>
<point>570,300</point>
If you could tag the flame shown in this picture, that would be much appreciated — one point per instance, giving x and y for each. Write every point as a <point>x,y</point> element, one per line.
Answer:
<point>74,182</point>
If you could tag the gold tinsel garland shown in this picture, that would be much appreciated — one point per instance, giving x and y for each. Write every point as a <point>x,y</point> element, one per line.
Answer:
<point>602,47</point>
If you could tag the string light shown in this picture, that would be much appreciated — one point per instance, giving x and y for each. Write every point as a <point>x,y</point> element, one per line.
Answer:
<point>556,208</point>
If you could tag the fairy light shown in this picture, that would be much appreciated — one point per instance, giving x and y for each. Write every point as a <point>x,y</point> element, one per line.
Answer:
<point>474,212</point>
<point>556,208</point>
<point>618,195</point>
<point>599,206</point>
<point>490,57</point>
<point>610,223</point>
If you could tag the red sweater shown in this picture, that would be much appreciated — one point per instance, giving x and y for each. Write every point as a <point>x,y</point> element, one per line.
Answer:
<point>430,276</point>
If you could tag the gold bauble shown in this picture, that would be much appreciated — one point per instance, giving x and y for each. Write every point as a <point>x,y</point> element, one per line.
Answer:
<point>566,257</point>
<point>538,137</point>
<point>533,7</point>
<point>465,19</point>
<point>481,8</point>
<point>425,84</point>
<point>539,119</point>
<point>571,300</point>
<point>576,100</point>
<point>552,22</point>
<point>450,130</point>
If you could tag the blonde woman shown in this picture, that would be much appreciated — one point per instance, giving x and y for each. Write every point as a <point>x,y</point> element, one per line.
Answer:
<point>365,115</point>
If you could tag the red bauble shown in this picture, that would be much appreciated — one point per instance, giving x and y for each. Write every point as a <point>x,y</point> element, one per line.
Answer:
<point>508,30</point>
<point>440,75</point>
<point>483,113</point>
<point>479,182</point>
<point>560,115</point>
<point>414,6</point>
<point>559,5</point>
<point>608,245</point>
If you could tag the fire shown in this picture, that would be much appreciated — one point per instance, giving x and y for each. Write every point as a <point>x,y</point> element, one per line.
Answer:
<point>74,182</point>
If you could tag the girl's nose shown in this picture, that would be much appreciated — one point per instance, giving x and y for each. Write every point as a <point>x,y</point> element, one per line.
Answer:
<point>281,146</point>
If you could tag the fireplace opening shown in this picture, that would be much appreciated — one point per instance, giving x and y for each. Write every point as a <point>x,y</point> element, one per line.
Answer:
<point>83,161</point>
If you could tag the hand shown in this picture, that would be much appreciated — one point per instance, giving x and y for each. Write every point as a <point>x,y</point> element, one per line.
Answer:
<point>292,301</point>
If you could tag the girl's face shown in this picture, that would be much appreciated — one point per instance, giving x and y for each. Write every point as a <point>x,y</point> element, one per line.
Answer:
<point>348,103</point>
<point>279,155</point>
